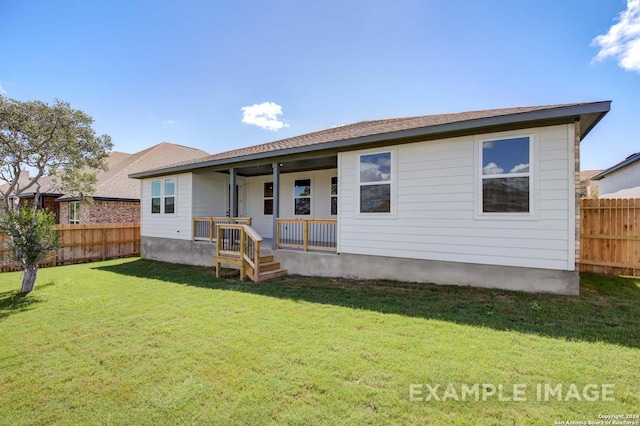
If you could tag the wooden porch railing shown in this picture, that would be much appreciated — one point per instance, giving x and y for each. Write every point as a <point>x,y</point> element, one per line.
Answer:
<point>204,228</point>
<point>307,234</point>
<point>238,245</point>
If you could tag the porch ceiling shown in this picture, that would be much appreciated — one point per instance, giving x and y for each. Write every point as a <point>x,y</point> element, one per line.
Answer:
<point>261,168</point>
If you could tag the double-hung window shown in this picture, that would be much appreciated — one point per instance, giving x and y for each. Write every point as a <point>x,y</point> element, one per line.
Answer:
<point>506,175</point>
<point>163,196</point>
<point>302,197</point>
<point>74,212</point>
<point>375,179</point>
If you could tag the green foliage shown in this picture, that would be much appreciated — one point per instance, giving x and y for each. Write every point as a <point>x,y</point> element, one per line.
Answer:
<point>32,234</point>
<point>55,140</point>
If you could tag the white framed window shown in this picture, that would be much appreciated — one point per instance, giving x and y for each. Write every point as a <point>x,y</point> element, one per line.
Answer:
<point>156,196</point>
<point>169,196</point>
<point>506,176</point>
<point>163,196</point>
<point>268,198</point>
<point>375,183</point>
<point>334,196</point>
<point>74,212</point>
<point>302,197</point>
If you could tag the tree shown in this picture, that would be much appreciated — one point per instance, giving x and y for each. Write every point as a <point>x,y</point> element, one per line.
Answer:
<point>32,240</point>
<point>54,140</point>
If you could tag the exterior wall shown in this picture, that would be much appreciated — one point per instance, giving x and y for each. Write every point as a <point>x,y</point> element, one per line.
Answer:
<point>177,225</point>
<point>627,177</point>
<point>210,195</point>
<point>356,266</point>
<point>436,215</point>
<point>102,211</point>
<point>320,198</point>
<point>51,205</point>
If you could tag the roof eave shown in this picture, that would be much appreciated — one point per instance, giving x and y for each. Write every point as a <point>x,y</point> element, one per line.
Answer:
<point>600,109</point>
<point>634,158</point>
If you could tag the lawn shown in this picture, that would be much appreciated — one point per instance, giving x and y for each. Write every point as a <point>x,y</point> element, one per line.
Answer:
<point>141,342</point>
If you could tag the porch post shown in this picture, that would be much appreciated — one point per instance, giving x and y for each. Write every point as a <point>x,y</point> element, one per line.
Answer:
<point>232,194</point>
<point>276,203</point>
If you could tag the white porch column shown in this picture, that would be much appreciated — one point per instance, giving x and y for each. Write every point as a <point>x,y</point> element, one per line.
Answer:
<point>276,203</point>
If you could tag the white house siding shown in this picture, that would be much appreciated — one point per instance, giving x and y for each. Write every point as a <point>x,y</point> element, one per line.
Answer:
<point>435,216</point>
<point>320,198</point>
<point>623,183</point>
<point>211,191</point>
<point>177,225</point>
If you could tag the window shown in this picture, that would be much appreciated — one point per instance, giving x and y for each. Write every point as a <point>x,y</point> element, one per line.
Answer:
<point>506,175</point>
<point>268,198</point>
<point>334,195</point>
<point>156,194</point>
<point>74,212</point>
<point>375,183</point>
<point>163,196</point>
<point>302,197</point>
<point>169,196</point>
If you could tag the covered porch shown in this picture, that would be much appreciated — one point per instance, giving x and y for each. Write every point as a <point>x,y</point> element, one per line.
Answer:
<point>291,203</point>
<point>251,210</point>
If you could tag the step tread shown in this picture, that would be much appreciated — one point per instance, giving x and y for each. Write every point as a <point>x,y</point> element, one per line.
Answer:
<point>269,266</point>
<point>267,275</point>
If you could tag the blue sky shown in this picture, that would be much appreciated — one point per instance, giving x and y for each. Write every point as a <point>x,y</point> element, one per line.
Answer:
<point>221,75</point>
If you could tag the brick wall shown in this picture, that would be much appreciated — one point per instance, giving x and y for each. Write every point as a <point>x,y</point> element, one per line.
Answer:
<point>51,205</point>
<point>104,212</point>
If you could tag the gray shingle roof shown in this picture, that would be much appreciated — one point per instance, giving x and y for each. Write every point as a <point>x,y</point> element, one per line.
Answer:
<point>393,127</point>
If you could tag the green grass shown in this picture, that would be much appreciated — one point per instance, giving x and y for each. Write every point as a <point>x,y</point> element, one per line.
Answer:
<point>141,342</point>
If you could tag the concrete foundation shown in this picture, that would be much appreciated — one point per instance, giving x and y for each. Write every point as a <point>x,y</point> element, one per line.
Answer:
<point>178,251</point>
<point>378,267</point>
<point>428,271</point>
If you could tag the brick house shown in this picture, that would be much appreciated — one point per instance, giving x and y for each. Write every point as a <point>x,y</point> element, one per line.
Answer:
<point>116,198</point>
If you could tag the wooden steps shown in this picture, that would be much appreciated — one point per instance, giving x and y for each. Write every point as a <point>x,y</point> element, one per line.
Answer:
<point>268,268</point>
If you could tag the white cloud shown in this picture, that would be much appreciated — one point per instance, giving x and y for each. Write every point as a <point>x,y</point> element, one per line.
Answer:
<point>372,172</point>
<point>264,115</point>
<point>520,168</point>
<point>622,41</point>
<point>492,169</point>
<point>2,91</point>
<point>169,122</point>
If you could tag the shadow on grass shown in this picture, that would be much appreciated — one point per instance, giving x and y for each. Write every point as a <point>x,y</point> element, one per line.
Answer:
<point>607,311</point>
<point>13,302</point>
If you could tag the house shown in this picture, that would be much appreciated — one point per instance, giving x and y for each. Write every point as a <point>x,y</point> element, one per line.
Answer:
<point>483,198</point>
<point>621,180</point>
<point>48,192</point>
<point>116,198</point>
<point>588,187</point>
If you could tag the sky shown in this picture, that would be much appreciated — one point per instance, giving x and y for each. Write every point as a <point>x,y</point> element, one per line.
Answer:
<point>220,75</point>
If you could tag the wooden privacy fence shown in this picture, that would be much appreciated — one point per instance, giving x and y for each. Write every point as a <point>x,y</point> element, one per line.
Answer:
<point>610,236</point>
<point>85,243</point>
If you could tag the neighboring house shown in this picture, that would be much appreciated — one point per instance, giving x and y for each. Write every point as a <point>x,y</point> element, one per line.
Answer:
<point>483,198</point>
<point>621,180</point>
<point>116,198</point>
<point>48,193</point>
<point>588,187</point>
